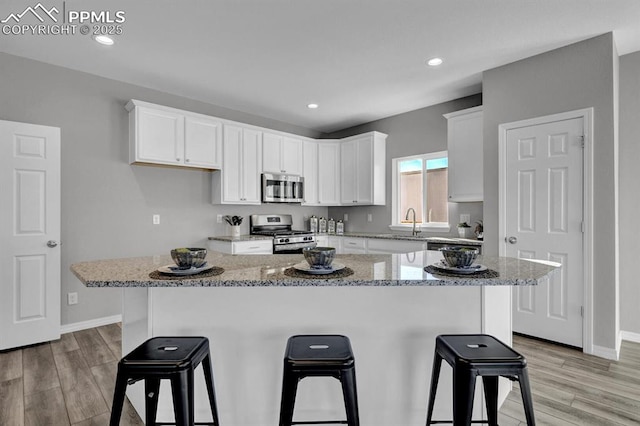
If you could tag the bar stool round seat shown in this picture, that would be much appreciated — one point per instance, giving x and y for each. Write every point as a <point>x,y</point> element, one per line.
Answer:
<point>470,356</point>
<point>319,356</point>
<point>172,358</point>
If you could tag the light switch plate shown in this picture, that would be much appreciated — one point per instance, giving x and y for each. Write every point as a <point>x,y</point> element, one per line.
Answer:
<point>156,219</point>
<point>346,217</point>
<point>219,218</point>
<point>369,217</point>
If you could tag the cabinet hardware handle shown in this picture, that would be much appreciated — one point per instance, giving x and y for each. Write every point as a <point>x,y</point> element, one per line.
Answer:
<point>177,159</point>
<point>186,160</point>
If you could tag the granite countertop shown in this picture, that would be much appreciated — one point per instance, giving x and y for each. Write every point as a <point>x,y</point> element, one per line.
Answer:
<point>404,269</point>
<point>406,237</point>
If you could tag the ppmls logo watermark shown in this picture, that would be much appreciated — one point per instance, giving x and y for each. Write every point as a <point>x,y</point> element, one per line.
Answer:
<point>43,20</point>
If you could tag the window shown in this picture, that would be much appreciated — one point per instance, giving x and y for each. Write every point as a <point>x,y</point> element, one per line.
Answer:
<point>420,183</point>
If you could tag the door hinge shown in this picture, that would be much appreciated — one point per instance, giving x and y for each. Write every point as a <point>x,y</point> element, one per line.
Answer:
<point>582,311</point>
<point>582,227</point>
<point>582,141</point>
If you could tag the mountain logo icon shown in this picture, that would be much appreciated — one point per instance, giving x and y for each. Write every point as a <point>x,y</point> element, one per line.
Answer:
<point>38,11</point>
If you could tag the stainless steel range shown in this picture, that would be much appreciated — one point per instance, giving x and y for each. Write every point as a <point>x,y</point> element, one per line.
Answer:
<point>278,226</point>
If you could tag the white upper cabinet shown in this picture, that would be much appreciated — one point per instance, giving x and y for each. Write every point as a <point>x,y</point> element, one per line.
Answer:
<point>162,135</point>
<point>363,169</point>
<point>239,181</point>
<point>465,146</point>
<point>310,172</point>
<point>281,154</point>
<point>329,172</point>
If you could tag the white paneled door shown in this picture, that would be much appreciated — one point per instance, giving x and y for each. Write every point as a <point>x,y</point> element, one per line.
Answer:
<point>30,234</point>
<point>543,219</point>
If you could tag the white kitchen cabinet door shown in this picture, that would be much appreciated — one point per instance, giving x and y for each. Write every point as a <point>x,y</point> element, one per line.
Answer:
<point>203,142</point>
<point>363,169</point>
<point>158,136</point>
<point>329,173</point>
<point>353,245</point>
<point>239,181</point>
<point>310,172</point>
<point>281,154</point>
<point>163,135</point>
<point>242,247</point>
<point>251,165</point>
<point>292,156</point>
<point>465,146</point>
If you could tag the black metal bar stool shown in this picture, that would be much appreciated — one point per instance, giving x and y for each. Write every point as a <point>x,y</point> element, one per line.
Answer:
<point>472,355</point>
<point>173,358</point>
<point>320,356</point>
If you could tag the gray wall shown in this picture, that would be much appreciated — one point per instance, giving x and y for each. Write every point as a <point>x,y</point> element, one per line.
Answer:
<point>416,132</point>
<point>570,78</point>
<point>629,193</point>
<point>107,204</point>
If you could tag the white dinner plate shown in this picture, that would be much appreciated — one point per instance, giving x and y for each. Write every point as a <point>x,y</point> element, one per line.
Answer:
<point>174,269</point>
<point>470,270</point>
<point>304,267</point>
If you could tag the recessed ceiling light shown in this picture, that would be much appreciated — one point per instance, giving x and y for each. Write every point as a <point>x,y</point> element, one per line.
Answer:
<point>434,62</point>
<point>312,106</point>
<point>103,39</point>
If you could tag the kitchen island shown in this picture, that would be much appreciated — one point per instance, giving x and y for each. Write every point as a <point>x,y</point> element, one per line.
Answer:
<point>390,308</point>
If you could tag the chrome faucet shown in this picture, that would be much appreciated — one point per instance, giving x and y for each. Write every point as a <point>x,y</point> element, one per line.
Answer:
<point>413,230</point>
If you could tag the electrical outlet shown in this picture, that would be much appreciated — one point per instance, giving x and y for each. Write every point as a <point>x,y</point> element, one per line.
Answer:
<point>465,218</point>
<point>72,298</point>
<point>369,217</point>
<point>156,219</point>
<point>346,217</point>
<point>219,218</point>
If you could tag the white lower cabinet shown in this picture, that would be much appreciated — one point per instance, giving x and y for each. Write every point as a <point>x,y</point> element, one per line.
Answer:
<point>354,245</point>
<point>380,245</point>
<point>242,247</point>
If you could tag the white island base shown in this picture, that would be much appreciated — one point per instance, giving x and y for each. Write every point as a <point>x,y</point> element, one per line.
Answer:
<point>392,332</point>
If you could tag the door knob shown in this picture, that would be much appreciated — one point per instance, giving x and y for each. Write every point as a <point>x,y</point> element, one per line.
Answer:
<point>512,240</point>
<point>52,243</point>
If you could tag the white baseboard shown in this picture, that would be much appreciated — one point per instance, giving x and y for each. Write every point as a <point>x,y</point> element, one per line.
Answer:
<point>630,336</point>
<point>83,325</point>
<point>608,353</point>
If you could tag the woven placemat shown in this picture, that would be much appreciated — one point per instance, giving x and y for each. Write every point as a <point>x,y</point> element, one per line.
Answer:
<point>216,270</point>
<point>489,273</point>
<point>292,272</point>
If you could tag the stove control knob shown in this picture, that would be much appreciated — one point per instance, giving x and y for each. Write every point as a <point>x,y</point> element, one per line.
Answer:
<point>286,240</point>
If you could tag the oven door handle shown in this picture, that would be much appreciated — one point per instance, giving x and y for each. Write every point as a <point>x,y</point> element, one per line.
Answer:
<point>288,247</point>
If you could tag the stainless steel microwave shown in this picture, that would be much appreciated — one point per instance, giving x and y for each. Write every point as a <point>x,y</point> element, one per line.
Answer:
<point>282,188</point>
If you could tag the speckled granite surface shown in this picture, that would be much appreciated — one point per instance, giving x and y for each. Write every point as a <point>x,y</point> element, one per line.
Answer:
<point>407,237</point>
<point>268,270</point>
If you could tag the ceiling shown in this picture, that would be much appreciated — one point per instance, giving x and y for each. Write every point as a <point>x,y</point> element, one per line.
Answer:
<point>360,60</point>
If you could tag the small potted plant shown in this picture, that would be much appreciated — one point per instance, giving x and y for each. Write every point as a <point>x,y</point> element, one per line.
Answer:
<point>463,230</point>
<point>235,222</point>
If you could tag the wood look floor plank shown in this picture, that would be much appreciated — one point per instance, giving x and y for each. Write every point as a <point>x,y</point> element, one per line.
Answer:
<point>12,402</point>
<point>568,413</point>
<point>105,377</point>
<point>39,369</point>
<point>71,359</point>
<point>11,365</point>
<point>45,408</point>
<point>66,343</point>
<point>603,410</point>
<point>514,409</point>
<point>110,333</point>
<point>94,347</point>
<point>116,348</point>
<point>82,395</point>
